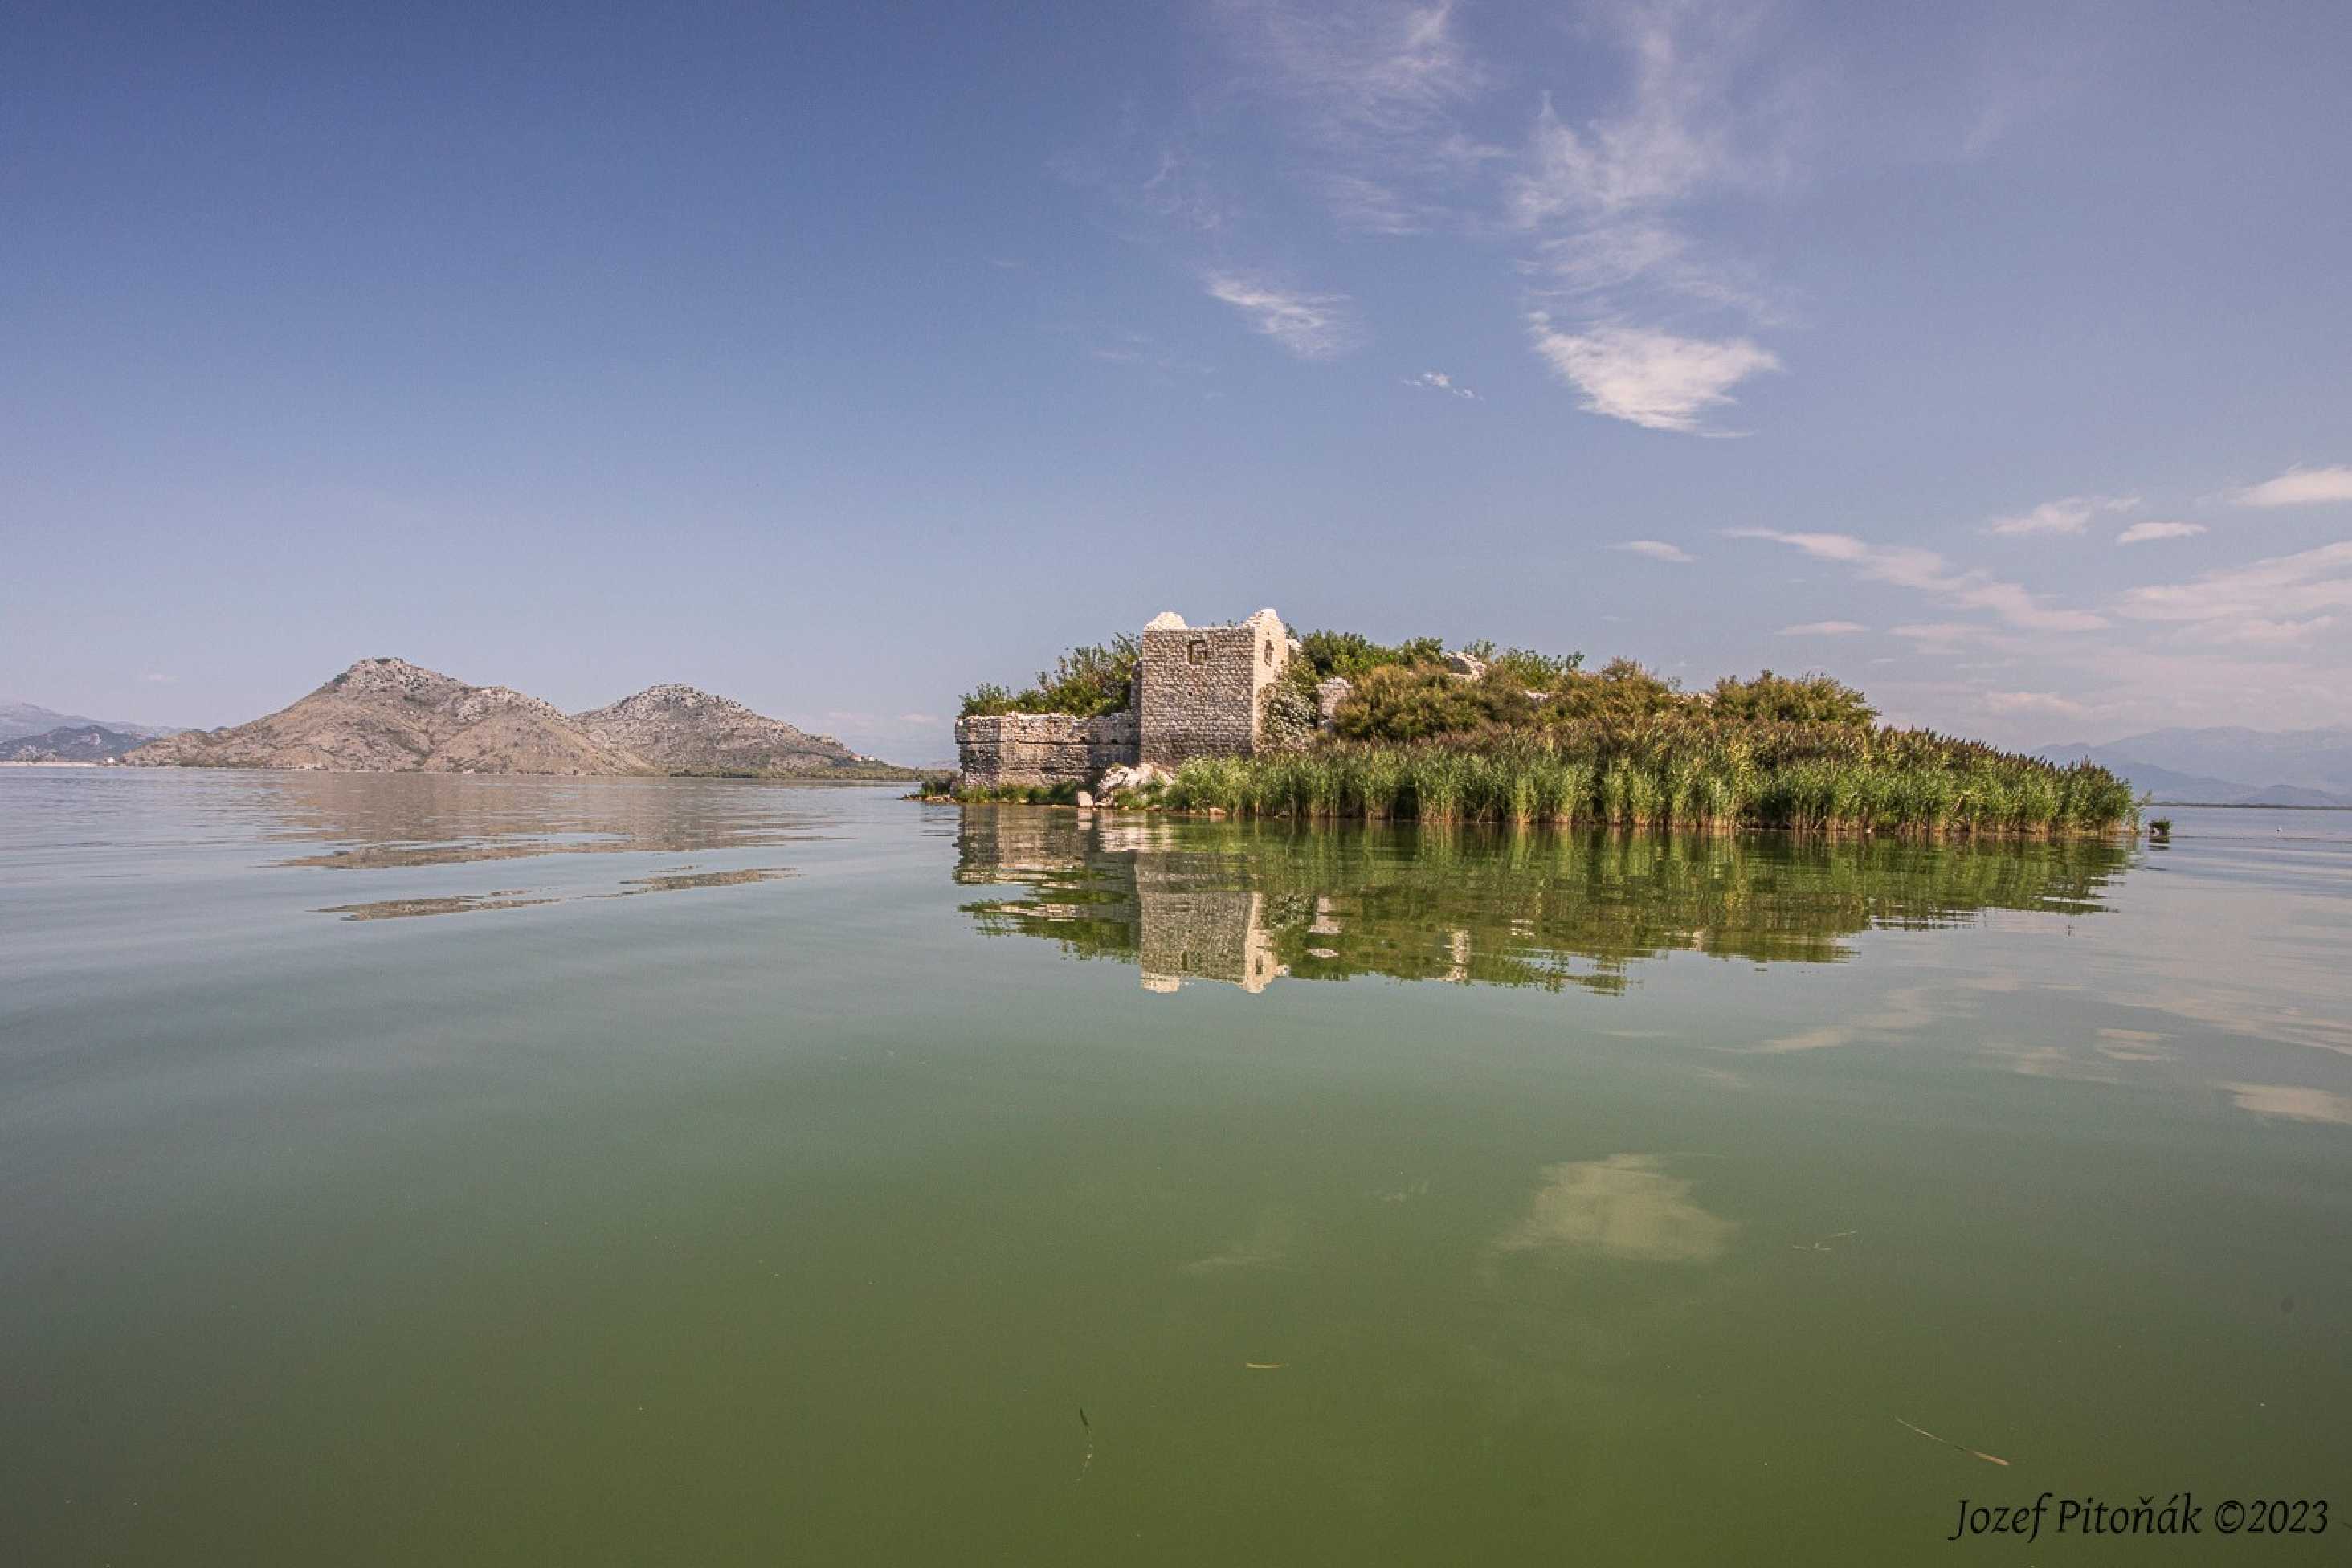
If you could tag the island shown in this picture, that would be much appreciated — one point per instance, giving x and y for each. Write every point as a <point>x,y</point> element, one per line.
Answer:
<point>1247,718</point>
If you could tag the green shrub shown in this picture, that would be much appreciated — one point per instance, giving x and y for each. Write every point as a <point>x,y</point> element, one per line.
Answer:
<point>1353,655</point>
<point>1397,702</point>
<point>1288,710</point>
<point>1525,668</point>
<point>1810,698</point>
<point>1087,681</point>
<point>985,699</point>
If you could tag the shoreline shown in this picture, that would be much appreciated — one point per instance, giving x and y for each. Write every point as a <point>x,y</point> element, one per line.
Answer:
<point>2118,834</point>
<point>452,773</point>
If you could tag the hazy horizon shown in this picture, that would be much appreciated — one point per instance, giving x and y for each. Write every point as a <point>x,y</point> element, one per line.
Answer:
<point>944,751</point>
<point>1992,360</point>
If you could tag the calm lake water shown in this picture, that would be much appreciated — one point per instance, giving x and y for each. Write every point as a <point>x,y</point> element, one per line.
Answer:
<point>442,1169</point>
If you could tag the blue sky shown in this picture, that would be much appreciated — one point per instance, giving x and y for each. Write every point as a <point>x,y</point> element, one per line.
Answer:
<point>1997,358</point>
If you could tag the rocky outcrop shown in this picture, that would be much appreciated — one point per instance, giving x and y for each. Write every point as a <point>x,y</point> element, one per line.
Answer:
<point>387,715</point>
<point>683,730</point>
<point>1140,777</point>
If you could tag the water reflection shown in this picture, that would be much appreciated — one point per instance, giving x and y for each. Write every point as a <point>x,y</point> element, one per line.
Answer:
<point>381,821</point>
<point>1247,904</point>
<point>454,904</point>
<point>381,826</point>
<point>1625,1207</point>
<point>683,879</point>
<point>2291,1102</point>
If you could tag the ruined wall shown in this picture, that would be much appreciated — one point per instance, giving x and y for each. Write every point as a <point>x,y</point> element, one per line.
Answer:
<point>1030,750</point>
<point>1198,687</point>
<point>1198,691</point>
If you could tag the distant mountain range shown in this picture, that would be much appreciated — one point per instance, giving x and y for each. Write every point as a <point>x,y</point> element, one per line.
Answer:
<point>72,743</point>
<point>387,715</point>
<point>2229,766</point>
<point>21,718</point>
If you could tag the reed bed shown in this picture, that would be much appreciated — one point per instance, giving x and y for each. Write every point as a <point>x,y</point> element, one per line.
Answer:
<point>1676,773</point>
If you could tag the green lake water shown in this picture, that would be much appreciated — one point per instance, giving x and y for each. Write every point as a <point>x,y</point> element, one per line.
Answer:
<point>440,1169</point>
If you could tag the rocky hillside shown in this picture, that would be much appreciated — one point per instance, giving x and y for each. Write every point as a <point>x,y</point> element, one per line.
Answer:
<point>683,730</point>
<point>18,720</point>
<point>81,743</point>
<point>391,716</point>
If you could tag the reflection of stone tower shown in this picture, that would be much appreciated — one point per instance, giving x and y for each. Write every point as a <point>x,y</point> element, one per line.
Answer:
<point>1197,688</point>
<point>1215,933</point>
<point>1119,885</point>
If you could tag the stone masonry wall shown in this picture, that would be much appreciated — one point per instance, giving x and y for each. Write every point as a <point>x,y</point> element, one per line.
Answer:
<point>1031,751</point>
<point>1198,687</point>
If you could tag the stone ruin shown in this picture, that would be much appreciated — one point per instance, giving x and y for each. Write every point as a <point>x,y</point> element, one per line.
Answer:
<point>1198,692</point>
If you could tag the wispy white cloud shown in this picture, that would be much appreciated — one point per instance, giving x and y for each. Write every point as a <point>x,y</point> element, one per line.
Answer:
<point>1371,87</point>
<point>2141,532</point>
<point>1158,183</point>
<point>1943,637</point>
<point>1649,156</point>
<point>1145,352</point>
<point>1656,549</point>
<point>2301,487</point>
<point>1823,629</point>
<point>1438,381</point>
<point>2012,702</point>
<point>2068,516</point>
<point>1603,194</point>
<point>1312,326</point>
<point>2257,632</point>
<point>1398,126</point>
<point>1910,566</point>
<point>1380,67</point>
<point>1651,378</point>
<point>2281,586</point>
<point>920,719</point>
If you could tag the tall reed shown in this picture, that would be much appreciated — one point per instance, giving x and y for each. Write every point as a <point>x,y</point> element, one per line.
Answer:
<point>1676,772</point>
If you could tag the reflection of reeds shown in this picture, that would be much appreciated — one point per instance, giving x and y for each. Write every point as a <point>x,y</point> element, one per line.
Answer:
<point>1813,778</point>
<point>1543,907</point>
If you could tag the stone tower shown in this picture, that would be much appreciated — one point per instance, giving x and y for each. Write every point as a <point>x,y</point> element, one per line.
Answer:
<point>1198,688</point>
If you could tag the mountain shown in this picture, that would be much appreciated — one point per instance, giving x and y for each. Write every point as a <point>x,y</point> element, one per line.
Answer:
<point>2318,759</point>
<point>20,718</point>
<point>389,715</point>
<point>2170,784</point>
<point>683,730</point>
<point>72,743</point>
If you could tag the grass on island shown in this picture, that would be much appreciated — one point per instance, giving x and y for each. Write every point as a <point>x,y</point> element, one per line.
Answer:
<point>1536,738</point>
<point>1804,777</point>
<point>944,786</point>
